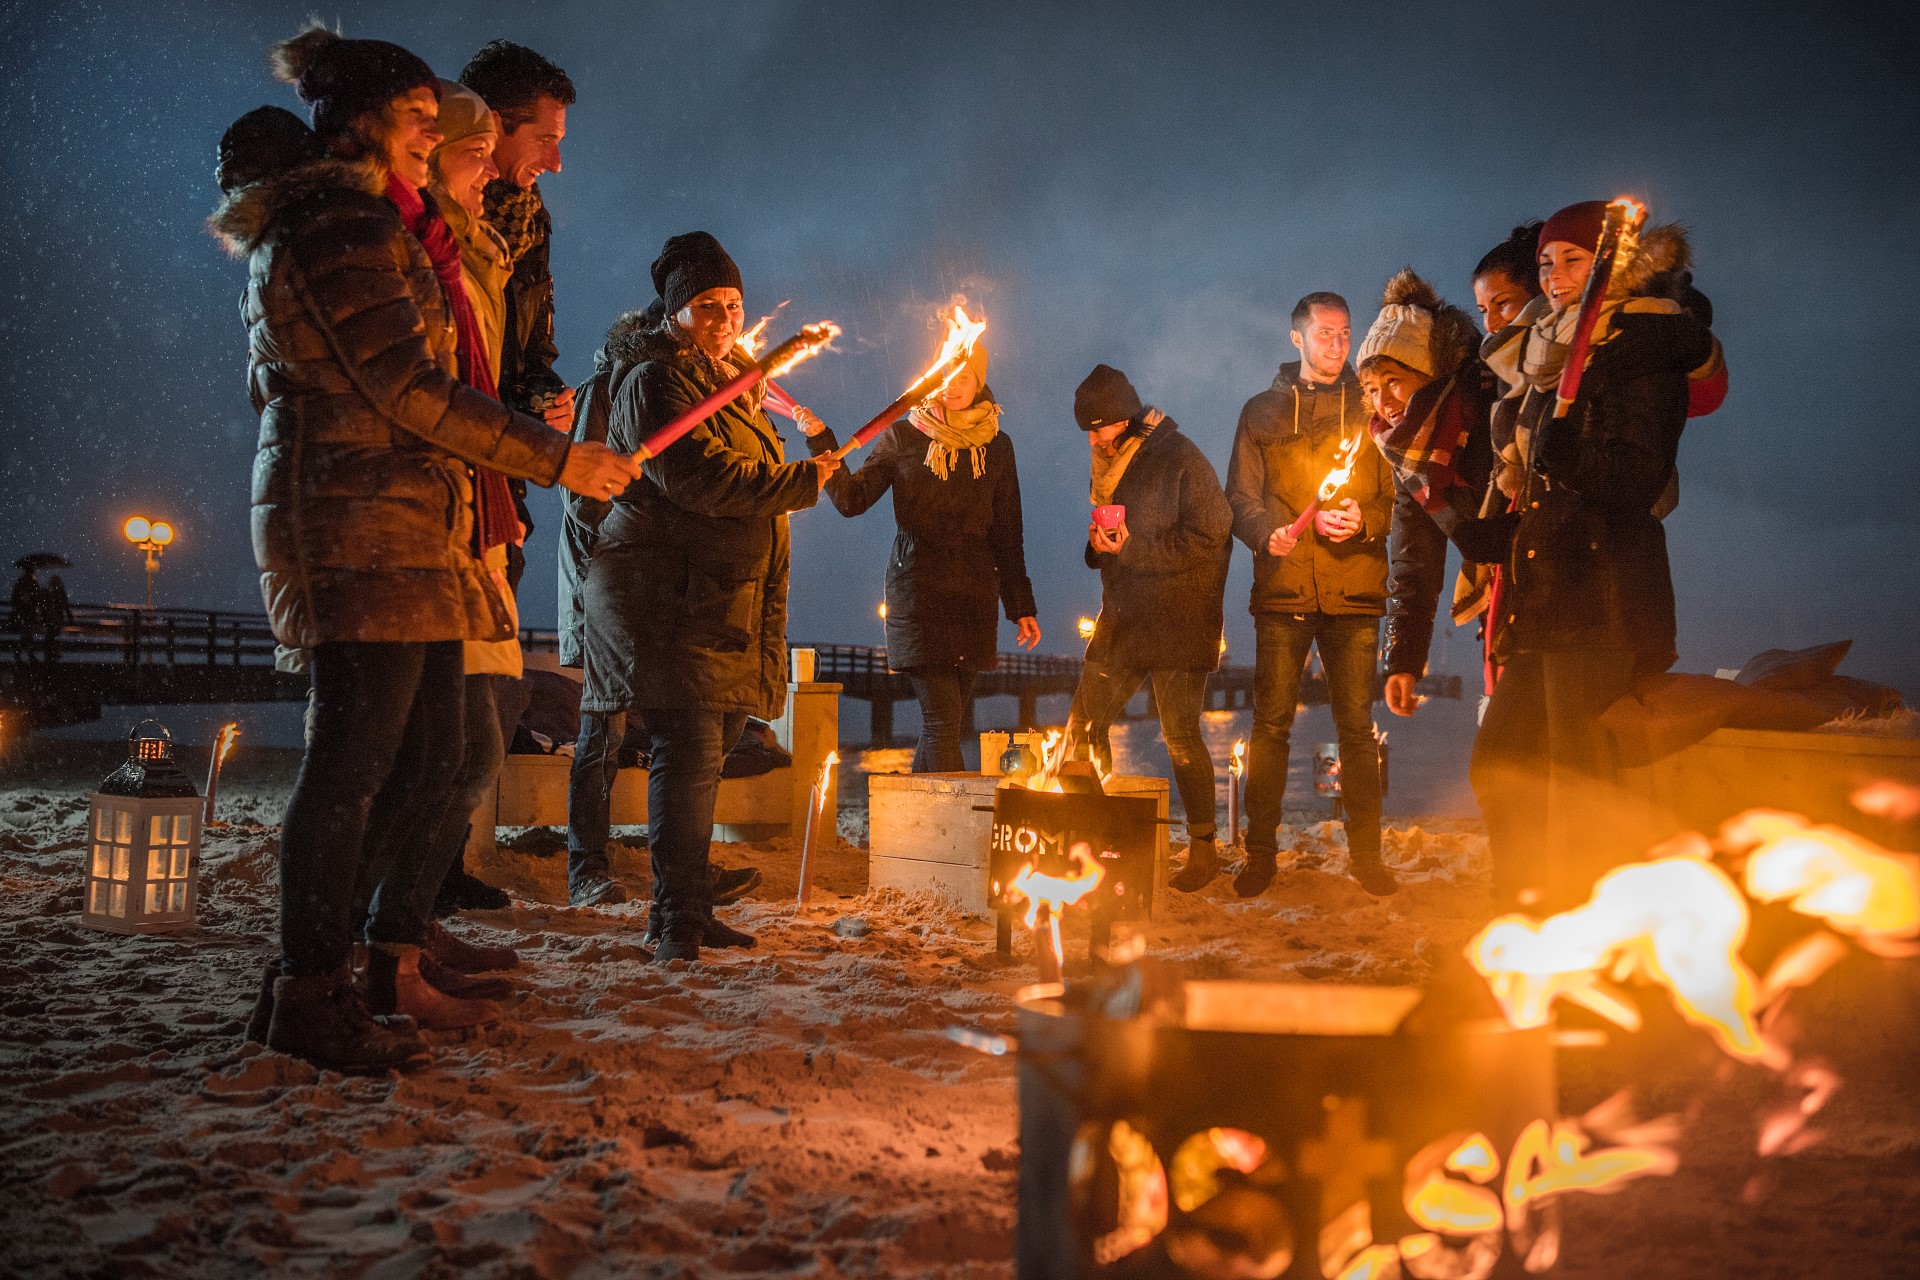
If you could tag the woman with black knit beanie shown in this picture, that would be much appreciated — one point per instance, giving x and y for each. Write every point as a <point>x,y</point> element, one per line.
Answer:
<point>362,506</point>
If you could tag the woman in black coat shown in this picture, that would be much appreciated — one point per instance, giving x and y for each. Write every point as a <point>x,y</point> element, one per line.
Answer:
<point>958,554</point>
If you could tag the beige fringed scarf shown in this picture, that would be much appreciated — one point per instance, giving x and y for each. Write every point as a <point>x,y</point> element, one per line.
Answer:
<point>952,430</point>
<point>1107,471</point>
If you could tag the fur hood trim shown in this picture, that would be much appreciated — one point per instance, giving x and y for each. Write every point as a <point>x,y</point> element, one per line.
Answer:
<point>243,218</point>
<point>630,338</point>
<point>1663,251</point>
<point>1455,334</point>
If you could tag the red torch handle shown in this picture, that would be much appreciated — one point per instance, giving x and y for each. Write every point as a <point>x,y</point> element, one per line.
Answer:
<point>1299,525</point>
<point>1619,231</point>
<point>888,416</point>
<point>657,443</point>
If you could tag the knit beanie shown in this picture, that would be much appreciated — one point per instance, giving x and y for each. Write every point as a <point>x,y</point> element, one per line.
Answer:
<point>977,364</point>
<point>341,80</point>
<point>463,113</point>
<point>1403,330</point>
<point>262,143</point>
<point>1577,224</point>
<point>688,266</point>
<point>1106,397</point>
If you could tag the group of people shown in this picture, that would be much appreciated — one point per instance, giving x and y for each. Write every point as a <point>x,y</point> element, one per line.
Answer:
<point>37,612</point>
<point>399,311</point>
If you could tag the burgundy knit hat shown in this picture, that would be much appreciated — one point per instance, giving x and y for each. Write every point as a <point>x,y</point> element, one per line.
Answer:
<point>1576,224</point>
<point>344,79</point>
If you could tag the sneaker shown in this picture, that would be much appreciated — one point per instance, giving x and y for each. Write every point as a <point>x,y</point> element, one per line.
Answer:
<point>463,892</point>
<point>1257,873</point>
<point>1203,864</point>
<point>680,940</point>
<point>455,952</point>
<point>1373,875</point>
<point>595,891</point>
<point>727,885</point>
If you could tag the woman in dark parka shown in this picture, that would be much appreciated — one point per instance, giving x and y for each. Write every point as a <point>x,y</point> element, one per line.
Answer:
<point>959,552</point>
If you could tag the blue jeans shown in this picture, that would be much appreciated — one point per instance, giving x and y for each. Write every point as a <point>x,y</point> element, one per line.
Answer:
<point>1349,647</point>
<point>596,759</point>
<point>689,746</point>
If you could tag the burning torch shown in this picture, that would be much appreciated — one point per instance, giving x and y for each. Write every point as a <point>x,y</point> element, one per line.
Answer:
<point>1236,770</point>
<point>1619,237</point>
<point>809,342</point>
<point>1342,469</point>
<point>222,748</point>
<point>810,841</point>
<point>962,332</point>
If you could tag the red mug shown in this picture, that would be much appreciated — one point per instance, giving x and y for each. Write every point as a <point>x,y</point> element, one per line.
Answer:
<point>1110,517</point>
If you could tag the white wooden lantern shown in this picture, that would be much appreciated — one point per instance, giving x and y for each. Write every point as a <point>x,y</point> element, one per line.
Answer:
<point>143,847</point>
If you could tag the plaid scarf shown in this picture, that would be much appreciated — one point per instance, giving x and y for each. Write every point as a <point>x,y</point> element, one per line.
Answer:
<point>514,212</point>
<point>1421,449</point>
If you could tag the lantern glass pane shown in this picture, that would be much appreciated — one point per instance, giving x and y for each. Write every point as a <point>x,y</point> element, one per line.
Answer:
<point>117,900</point>
<point>182,828</point>
<point>177,896</point>
<point>102,860</point>
<point>122,826</point>
<point>155,895</point>
<point>157,863</point>
<point>102,824</point>
<point>157,829</point>
<point>97,897</point>
<point>120,862</point>
<point>179,864</point>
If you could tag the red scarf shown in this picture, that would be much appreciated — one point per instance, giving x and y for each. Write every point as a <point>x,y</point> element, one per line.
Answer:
<point>496,523</point>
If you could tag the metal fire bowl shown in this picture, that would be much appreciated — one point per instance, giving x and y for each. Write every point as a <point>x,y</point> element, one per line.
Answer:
<point>1273,1059</point>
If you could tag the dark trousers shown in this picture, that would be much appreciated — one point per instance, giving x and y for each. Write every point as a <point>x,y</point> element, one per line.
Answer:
<point>1547,776</point>
<point>689,747</point>
<point>1178,697</point>
<point>383,750</point>
<point>403,906</point>
<point>1349,647</point>
<point>596,760</point>
<point>944,694</point>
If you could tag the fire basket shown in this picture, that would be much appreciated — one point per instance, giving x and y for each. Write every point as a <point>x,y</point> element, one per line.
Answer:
<point>1263,1130</point>
<point>1039,830</point>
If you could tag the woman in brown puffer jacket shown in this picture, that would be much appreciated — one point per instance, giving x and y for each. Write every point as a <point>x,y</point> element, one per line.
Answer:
<point>362,510</point>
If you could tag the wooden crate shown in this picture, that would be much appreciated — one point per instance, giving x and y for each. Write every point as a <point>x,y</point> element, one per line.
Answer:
<point>932,831</point>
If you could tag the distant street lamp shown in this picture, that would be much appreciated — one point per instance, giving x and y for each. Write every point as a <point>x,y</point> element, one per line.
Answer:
<point>152,537</point>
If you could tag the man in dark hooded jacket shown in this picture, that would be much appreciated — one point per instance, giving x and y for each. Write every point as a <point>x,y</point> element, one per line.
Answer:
<point>1326,588</point>
<point>1163,576</point>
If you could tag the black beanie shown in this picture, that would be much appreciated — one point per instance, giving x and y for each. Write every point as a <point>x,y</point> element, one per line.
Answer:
<point>1106,397</point>
<point>264,142</point>
<point>688,266</point>
<point>344,79</point>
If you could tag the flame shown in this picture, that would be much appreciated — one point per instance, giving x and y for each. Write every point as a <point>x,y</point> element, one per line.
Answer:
<point>1831,875</point>
<point>1341,470</point>
<point>1785,1131</point>
<point>1086,626</point>
<point>1677,921</point>
<point>1552,1159</point>
<point>1375,1262</point>
<point>1197,1164</point>
<point>1885,798</point>
<point>1056,893</point>
<point>1476,1158</point>
<point>224,740</point>
<point>962,332</point>
<point>1438,1203</point>
<point>1053,753</point>
<point>826,773</point>
<point>1237,763</point>
<point>815,338</point>
<point>1142,1195</point>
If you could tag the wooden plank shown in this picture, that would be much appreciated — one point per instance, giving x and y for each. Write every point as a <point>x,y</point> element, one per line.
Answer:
<point>965,886</point>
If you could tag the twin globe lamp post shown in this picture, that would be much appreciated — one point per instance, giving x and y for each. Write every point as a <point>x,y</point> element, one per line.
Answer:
<point>152,537</point>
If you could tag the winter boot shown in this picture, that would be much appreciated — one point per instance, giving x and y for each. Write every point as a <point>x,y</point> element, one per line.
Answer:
<point>262,1018</point>
<point>680,939</point>
<point>727,886</point>
<point>595,891</point>
<point>1372,873</point>
<point>395,985</point>
<point>718,934</point>
<point>1203,864</point>
<point>325,1020</point>
<point>463,892</point>
<point>462,986</point>
<point>1258,872</point>
<point>454,952</point>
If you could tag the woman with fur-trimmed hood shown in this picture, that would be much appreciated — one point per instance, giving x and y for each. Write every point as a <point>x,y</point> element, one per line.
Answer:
<point>362,510</point>
<point>1588,600</point>
<point>1430,395</point>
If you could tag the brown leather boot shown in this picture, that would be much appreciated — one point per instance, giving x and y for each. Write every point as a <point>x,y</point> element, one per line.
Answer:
<point>395,985</point>
<point>455,952</point>
<point>325,1020</point>
<point>465,986</point>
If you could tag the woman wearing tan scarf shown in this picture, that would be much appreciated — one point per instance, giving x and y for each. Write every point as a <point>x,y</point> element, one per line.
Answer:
<point>958,554</point>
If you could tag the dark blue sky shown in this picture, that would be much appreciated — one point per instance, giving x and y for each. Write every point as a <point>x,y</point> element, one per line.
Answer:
<point>1147,185</point>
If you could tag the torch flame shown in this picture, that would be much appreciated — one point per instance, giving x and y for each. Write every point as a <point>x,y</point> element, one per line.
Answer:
<point>1831,875</point>
<point>1237,764</point>
<point>1086,626</point>
<point>1678,921</point>
<point>815,338</point>
<point>962,332</point>
<point>1341,470</point>
<point>224,740</point>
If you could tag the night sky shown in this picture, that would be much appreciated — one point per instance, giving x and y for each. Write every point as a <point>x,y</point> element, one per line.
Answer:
<point>1147,185</point>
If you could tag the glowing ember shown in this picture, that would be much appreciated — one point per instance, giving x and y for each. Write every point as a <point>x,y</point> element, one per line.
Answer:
<point>1678,921</point>
<point>1831,875</point>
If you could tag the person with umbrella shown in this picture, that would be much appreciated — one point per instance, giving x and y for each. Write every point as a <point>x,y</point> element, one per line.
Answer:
<point>36,611</point>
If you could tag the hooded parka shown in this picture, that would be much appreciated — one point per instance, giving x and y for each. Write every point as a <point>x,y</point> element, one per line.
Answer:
<point>362,507</point>
<point>1287,440</point>
<point>580,524</point>
<point>686,598</point>
<point>959,553</point>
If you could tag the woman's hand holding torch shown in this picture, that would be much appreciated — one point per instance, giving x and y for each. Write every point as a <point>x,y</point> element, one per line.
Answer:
<point>595,471</point>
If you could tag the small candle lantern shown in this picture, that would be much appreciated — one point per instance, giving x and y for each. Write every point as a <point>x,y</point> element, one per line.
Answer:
<point>143,852</point>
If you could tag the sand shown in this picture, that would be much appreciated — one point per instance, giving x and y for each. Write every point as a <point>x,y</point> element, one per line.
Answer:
<point>791,1110</point>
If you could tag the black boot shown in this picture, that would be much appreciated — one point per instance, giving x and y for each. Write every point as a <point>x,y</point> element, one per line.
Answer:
<point>680,939</point>
<point>726,885</point>
<point>325,1020</point>
<point>1261,866</point>
<point>262,1018</point>
<point>1372,873</point>
<point>1203,864</point>
<point>719,935</point>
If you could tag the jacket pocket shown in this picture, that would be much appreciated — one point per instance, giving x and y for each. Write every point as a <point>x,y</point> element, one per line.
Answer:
<point>717,613</point>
